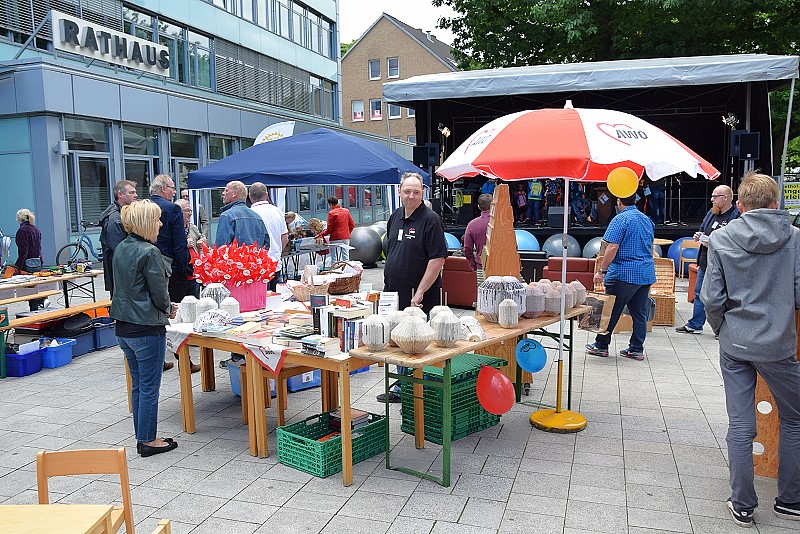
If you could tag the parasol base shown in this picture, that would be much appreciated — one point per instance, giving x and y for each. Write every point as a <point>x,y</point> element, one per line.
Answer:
<point>561,422</point>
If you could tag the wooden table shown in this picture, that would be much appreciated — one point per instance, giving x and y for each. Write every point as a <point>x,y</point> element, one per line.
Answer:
<point>332,366</point>
<point>67,282</point>
<point>441,357</point>
<point>61,518</point>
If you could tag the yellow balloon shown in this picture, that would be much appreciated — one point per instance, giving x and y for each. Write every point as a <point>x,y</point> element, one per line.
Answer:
<point>622,182</point>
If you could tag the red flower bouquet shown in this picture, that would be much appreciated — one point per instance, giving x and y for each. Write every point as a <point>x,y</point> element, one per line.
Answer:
<point>233,265</point>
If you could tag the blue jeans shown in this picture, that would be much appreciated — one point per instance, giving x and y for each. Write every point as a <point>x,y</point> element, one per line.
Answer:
<point>698,310</point>
<point>657,196</point>
<point>340,253</point>
<point>145,356</point>
<point>534,209</point>
<point>635,297</point>
<point>783,379</point>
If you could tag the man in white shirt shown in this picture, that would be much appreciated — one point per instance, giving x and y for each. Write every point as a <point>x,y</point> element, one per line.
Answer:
<point>275,222</point>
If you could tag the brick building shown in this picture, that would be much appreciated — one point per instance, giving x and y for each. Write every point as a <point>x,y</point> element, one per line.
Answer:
<point>389,50</point>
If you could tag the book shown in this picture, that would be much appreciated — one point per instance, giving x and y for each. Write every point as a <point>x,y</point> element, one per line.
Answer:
<point>300,319</point>
<point>352,312</point>
<point>317,301</point>
<point>357,418</point>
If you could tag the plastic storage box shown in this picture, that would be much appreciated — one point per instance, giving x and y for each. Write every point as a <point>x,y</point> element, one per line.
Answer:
<point>308,380</point>
<point>104,335</point>
<point>468,416</point>
<point>83,343</point>
<point>299,444</point>
<point>362,370</point>
<point>236,379</point>
<point>24,364</point>
<point>53,357</point>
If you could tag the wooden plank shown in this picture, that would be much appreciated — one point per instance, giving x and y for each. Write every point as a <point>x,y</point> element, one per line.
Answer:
<point>43,294</point>
<point>55,314</point>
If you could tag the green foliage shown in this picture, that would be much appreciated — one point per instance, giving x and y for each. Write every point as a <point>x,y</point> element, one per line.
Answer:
<point>344,47</point>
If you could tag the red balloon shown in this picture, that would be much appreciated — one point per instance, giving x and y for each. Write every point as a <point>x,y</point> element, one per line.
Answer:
<point>495,391</point>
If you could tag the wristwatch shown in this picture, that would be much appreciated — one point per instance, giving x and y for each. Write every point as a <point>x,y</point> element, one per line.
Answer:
<point>601,271</point>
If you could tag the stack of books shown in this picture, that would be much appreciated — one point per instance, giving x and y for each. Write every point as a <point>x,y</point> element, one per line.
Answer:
<point>319,345</point>
<point>357,418</point>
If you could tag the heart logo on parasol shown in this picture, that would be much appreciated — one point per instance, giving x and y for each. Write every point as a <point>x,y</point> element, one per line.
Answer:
<point>620,132</point>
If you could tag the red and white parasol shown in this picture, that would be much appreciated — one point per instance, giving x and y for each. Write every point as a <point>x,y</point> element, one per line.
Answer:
<point>577,144</point>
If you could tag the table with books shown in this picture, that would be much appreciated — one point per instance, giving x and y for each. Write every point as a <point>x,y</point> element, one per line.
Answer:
<point>335,370</point>
<point>435,356</point>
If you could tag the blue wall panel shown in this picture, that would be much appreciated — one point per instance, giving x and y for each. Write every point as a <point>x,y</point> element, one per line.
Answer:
<point>144,107</point>
<point>95,98</point>
<point>224,120</point>
<point>187,114</point>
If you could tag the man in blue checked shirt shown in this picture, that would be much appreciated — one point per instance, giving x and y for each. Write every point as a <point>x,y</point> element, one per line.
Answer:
<point>628,271</point>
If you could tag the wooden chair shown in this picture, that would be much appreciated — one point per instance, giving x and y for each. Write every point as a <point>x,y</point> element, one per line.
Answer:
<point>88,462</point>
<point>688,251</point>
<point>164,527</point>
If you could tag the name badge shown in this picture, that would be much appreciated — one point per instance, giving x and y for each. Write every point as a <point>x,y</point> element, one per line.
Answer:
<point>400,234</point>
<point>714,226</point>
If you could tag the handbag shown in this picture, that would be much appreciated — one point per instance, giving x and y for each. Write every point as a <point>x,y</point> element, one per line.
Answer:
<point>33,265</point>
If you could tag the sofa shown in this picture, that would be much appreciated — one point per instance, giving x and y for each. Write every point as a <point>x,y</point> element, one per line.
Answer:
<point>459,282</point>
<point>581,269</point>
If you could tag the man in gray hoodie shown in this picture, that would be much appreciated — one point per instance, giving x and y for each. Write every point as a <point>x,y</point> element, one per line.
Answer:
<point>751,291</point>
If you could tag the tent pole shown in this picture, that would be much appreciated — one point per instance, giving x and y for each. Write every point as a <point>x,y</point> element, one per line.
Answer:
<point>558,420</point>
<point>786,139</point>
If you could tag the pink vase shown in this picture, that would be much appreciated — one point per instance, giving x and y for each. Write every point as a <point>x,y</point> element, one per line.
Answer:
<point>251,297</point>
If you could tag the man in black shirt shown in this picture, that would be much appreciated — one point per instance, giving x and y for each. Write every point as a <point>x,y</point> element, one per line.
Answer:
<point>721,213</point>
<point>415,253</point>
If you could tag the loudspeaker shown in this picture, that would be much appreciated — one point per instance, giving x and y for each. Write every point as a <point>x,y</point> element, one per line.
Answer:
<point>749,144</point>
<point>555,216</point>
<point>426,155</point>
<point>735,141</point>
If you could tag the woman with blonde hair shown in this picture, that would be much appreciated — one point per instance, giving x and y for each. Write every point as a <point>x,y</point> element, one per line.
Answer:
<point>142,309</point>
<point>29,247</point>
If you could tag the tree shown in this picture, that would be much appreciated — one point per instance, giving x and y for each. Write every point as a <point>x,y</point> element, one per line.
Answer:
<point>508,33</point>
<point>344,47</point>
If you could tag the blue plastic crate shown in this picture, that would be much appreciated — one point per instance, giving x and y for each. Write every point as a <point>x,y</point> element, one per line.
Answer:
<point>307,380</point>
<point>24,364</point>
<point>104,335</point>
<point>362,370</point>
<point>236,380</point>
<point>84,343</point>
<point>53,357</point>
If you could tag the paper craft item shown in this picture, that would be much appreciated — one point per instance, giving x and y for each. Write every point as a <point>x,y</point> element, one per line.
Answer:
<point>597,320</point>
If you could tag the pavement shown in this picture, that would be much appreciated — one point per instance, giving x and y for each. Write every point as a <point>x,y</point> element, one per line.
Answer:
<point>652,458</point>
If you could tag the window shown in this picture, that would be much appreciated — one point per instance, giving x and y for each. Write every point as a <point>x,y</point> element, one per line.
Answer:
<point>374,69</point>
<point>375,110</point>
<point>394,111</point>
<point>393,67</point>
<point>87,135</point>
<point>412,139</point>
<point>411,112</point>
<point>219,148</point>
<point>358,110</point>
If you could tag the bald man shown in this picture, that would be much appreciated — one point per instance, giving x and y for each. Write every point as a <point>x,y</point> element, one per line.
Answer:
<point>721,213</point>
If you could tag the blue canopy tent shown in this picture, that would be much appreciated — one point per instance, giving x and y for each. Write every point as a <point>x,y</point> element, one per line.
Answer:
<point>318,157</point>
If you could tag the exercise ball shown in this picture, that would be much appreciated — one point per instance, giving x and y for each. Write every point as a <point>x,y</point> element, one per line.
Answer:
<point>366,245</point>
<point>657,251</point>
<point>380,230</point>
<point>674,254</point>
<point>592,247</point>
<point>384,246</point>
<point>452,241</point>
<point>526,240</point>
<point>554,247</point>
<point>381,223</point>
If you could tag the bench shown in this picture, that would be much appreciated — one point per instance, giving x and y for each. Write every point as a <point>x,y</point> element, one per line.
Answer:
<point>42,295</point>
<point>51,315</point>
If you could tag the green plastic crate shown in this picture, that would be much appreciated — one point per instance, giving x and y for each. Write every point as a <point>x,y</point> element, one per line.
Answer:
<point>468,416</point>
<point>298,446</point>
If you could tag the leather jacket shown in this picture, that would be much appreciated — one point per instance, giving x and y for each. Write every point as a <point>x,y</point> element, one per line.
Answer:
<point>141,279</point>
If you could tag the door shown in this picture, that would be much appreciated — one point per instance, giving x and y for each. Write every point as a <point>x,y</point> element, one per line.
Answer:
<point>89,188</point>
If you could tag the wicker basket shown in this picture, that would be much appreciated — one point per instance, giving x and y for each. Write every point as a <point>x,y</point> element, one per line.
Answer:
<point>665,310</point>
<point>665,277</point>
<point>303,292</point>
<point>341,286</point>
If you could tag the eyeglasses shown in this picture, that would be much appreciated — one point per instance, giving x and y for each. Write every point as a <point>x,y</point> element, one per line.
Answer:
<point>718,196</point>
<point>170,187</point>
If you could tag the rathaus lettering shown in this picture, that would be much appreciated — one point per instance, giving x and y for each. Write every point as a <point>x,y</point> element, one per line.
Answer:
<point>114,45</point>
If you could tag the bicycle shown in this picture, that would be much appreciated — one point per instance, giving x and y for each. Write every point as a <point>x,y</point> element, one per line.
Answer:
<point>78,251</point>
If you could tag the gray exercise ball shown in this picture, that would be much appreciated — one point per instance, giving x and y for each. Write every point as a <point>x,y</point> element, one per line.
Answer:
<point>381,223</point>
<point>657,251</point>
<point>379,229</point>
<point>553,246</point>
<point>592,247</point>
<point>366,245</point>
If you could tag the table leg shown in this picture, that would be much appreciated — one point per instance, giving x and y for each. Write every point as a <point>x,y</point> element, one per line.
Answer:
<point>207,377</point>
<point>66,293</point>
<point>281,394</point>
<point>257,410</point>
<point>347,431</point>
<point>447,422</point>
<point>187,401</point>
<point>330,391</point>
<point>569,375</point>
<point>419,411</point>
<point>3,354</point>
<point>386,411</point>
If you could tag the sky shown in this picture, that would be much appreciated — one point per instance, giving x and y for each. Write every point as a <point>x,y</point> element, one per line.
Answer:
<point>356,16</point>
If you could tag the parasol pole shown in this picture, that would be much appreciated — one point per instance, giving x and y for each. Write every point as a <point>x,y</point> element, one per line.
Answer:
<point>558,420</point>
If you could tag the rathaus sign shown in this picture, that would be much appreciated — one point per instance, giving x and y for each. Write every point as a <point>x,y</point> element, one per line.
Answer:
<point>78,36</point>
